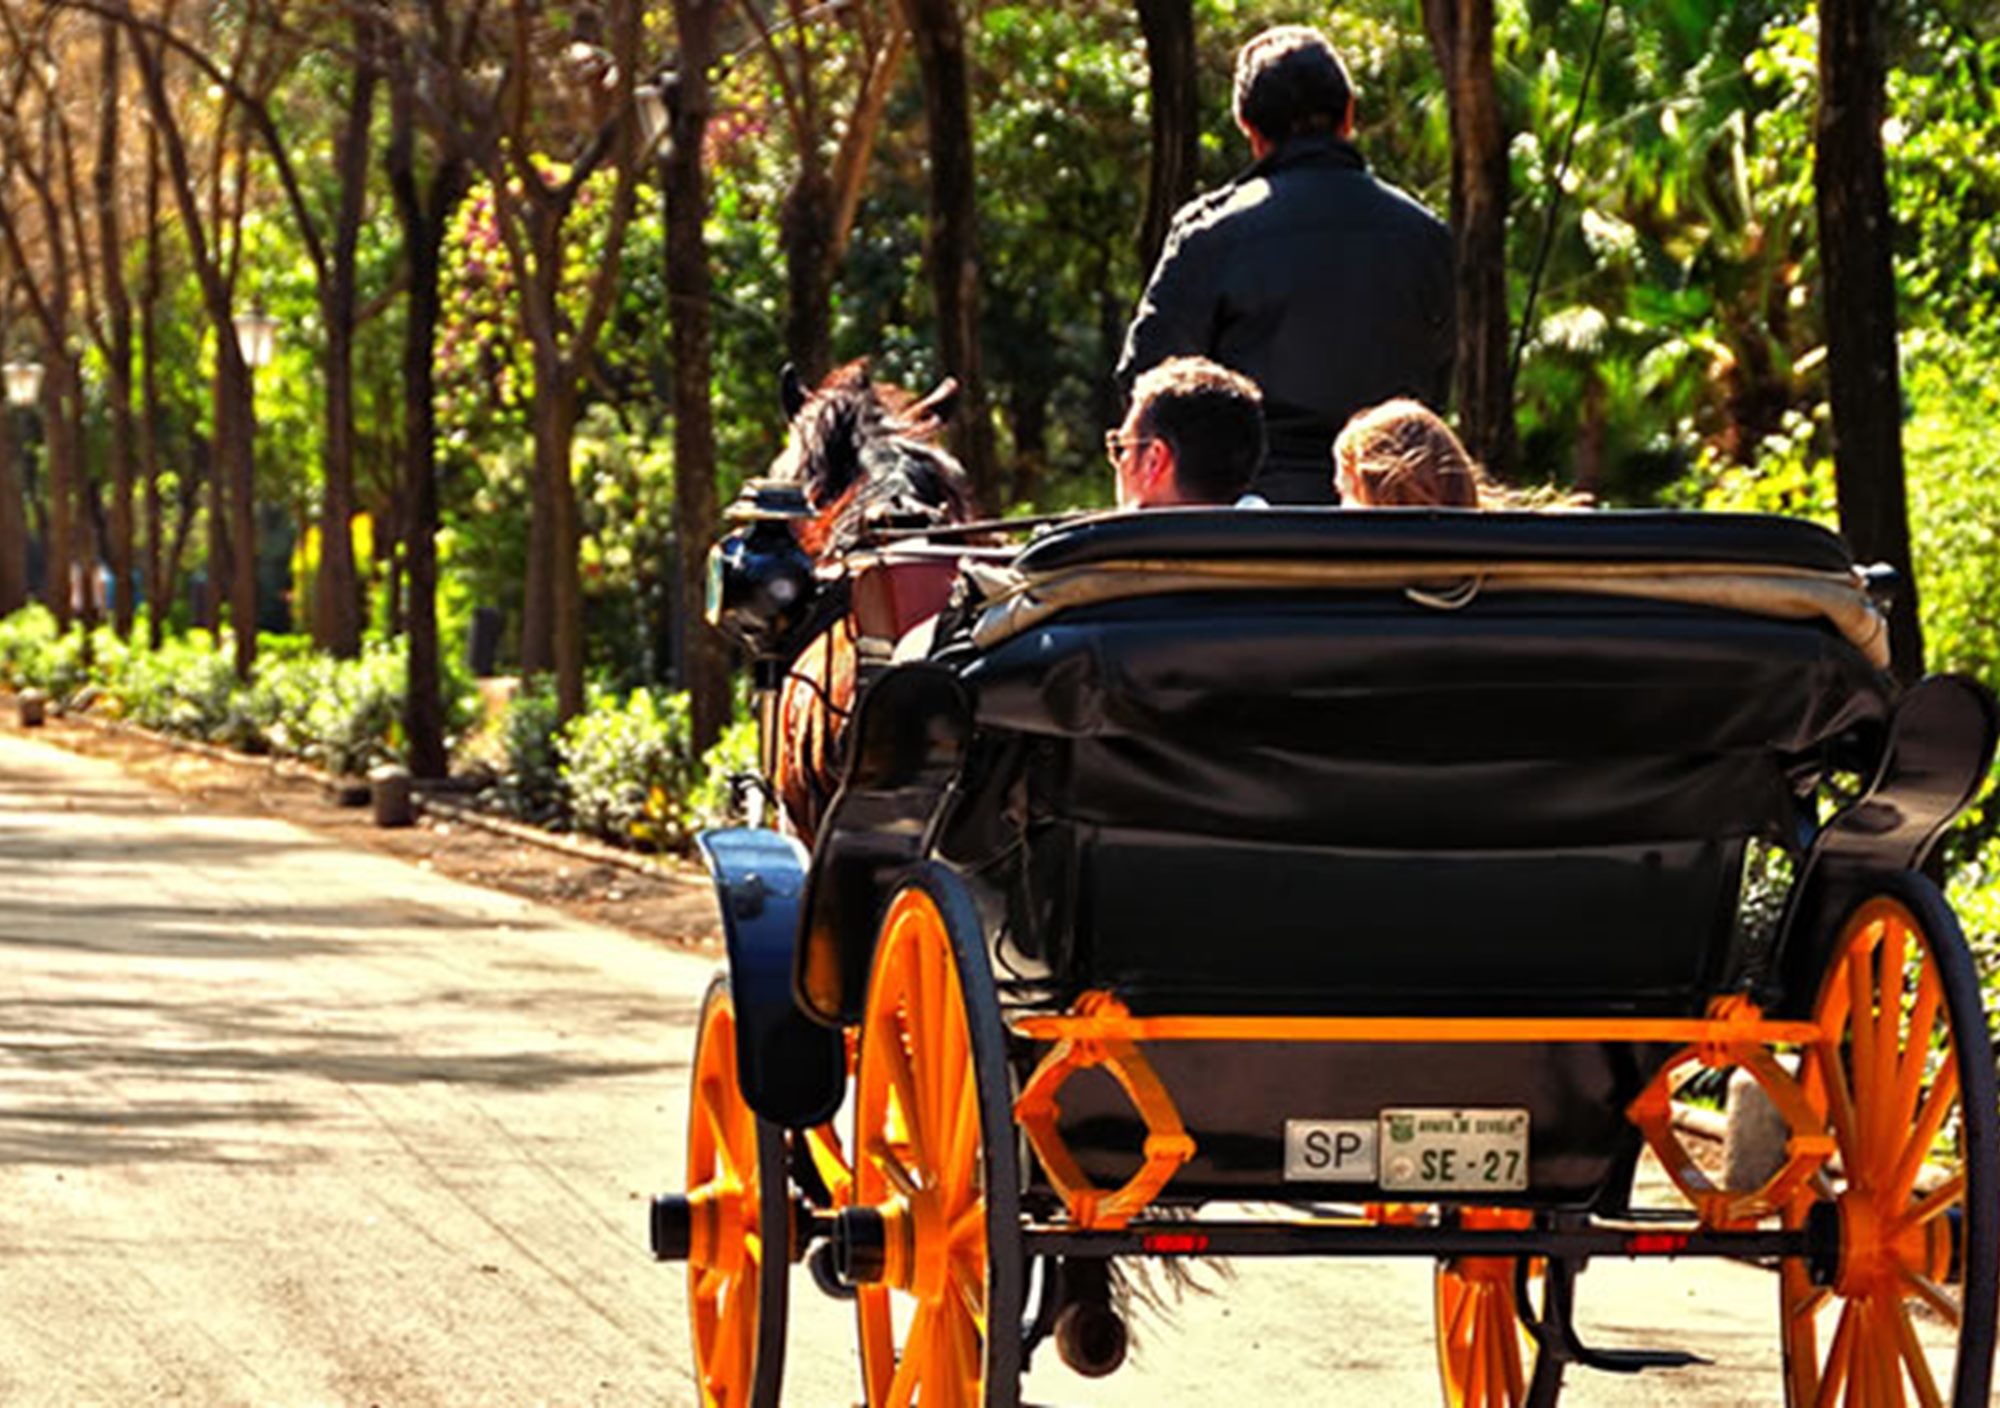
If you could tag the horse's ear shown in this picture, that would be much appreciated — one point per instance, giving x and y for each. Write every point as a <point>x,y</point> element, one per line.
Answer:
<point>939,405</point>
<point>791,391</point>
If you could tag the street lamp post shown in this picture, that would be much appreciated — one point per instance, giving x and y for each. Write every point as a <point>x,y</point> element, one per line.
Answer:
<point>257,341</point>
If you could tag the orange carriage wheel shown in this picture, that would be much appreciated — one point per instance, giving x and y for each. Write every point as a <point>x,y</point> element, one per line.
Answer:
<point>1903,1075</point>
<point>935,1157</point>
<point>740,1225</point>
<point>1486,1357</point>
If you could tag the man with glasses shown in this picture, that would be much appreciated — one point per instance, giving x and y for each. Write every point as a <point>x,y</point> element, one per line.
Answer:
<point>1194,435</point>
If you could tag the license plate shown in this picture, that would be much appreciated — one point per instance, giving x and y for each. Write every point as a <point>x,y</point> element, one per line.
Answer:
<point>1454,1151</point>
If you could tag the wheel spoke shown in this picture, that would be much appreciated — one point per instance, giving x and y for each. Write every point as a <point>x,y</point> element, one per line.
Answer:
<point>1882,1352</point>
<point>743,1149</point>
<point>961,1158</point>
<point>1914,1358</point>
<point>1812,1303</point>
<point>885,1156</point>
<point>1475,1378</point>
<point>709,1282</point>
<point>1838,1360</point>
<point>927,1038</point>
<point>1888,1026</point>
<point>904,1084</point>
<point>968,1283</point>
<point>1940,1199</point>
<point>1861,1037</point>
<point>1839,1102</point>
<point>910,1364</point>
<point>1462,1309</point>
<point>1936,1297</point>
<point>712,1096</point>
<point>1916,1051</point>
<point>729,1329</point>
<point>873,1317</point>
<point>1507,1345</point>
<point>963,1343</point>
<point>1493,1349</point>
<point>1937,1107</point>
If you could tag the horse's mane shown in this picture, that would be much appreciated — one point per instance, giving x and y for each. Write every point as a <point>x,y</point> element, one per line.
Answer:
<point>866,454</point>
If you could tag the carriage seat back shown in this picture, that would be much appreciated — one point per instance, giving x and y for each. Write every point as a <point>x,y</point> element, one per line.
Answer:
<point>1367,791</point>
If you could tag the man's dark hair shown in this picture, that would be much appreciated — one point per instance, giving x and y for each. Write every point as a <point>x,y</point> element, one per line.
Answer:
<point>1289,80</point>
<point>1211,418</point>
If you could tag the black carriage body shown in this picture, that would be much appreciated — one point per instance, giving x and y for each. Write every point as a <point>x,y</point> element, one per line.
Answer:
<point>1405,799</point>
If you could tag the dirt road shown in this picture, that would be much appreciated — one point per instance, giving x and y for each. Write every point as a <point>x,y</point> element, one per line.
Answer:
<point>287,1123</point>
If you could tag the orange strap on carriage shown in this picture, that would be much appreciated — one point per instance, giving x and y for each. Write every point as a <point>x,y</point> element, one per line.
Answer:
<point>1168,1145</point>
<point>1099,1030</point>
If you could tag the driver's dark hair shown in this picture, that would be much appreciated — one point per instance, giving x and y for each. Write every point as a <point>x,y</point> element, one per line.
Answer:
<point>1211,418</point>
<point>1289,80</point>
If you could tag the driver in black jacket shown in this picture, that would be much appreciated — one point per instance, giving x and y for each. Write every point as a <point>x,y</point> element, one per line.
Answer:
<point>1330,289</point>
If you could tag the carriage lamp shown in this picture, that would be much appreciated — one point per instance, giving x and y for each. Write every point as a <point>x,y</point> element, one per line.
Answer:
<point>24,382</point>
<point>760,581</point>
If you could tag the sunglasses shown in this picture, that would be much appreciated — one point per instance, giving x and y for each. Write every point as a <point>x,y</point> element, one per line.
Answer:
<point>1117,445</point>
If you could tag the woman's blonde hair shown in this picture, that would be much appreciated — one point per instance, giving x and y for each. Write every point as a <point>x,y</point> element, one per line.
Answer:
<point>1400,454</point>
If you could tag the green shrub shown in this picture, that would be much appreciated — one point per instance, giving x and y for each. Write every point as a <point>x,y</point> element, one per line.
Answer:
<point>187,687</point>
<point>354,720</point>
<point>530,784</point>
<point>628,772</point>
<point>716,799</point>
<point>34,656</point>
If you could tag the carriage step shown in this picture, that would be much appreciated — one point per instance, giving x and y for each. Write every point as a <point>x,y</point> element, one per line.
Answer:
<point>672,1227</point>
<point>1631,1361</point>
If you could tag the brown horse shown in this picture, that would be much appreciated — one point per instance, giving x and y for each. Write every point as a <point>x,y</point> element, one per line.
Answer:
<point>866,456</point>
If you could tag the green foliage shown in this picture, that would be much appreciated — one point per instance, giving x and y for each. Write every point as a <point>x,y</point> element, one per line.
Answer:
<point>34,656</point>
<point>717,799</point>
<point>344,716</point>
<point>188,688</point>
<point>628,771</point>
<point>530,784</point>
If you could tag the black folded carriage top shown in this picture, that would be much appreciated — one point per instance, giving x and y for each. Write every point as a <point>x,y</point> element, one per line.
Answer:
<point>1408,750</point>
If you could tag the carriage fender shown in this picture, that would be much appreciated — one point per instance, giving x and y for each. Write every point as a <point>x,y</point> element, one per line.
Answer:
<point>1933,761</point>
<point>793,1069</point>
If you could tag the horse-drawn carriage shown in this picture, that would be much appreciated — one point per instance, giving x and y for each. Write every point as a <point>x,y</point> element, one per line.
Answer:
<point>1390,869</point>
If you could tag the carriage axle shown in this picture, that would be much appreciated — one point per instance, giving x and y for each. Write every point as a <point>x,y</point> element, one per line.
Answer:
<point>859,1237</point>
<point>1818,1243</point>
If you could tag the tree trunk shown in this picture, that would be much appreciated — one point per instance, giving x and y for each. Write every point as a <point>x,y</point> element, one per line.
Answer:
<point>539,282</point>
<point>234,466</point>
<point>566,584</point>
<point>1864,377</point>
<point>1461,34</point>
<point>216,570</point>
<point>939,35</point>
<point>241,420</point>
<point>424,223</point>
<point>159,566</point>
<point>1171,84</point>
<point>538,625</point>
<point>118,337</point>
<point>807,230</point>
<point>13,526</point>
<point>337,592</point>
<point>60,548</point>
<point>704,666</point>
<point>13,506</point>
